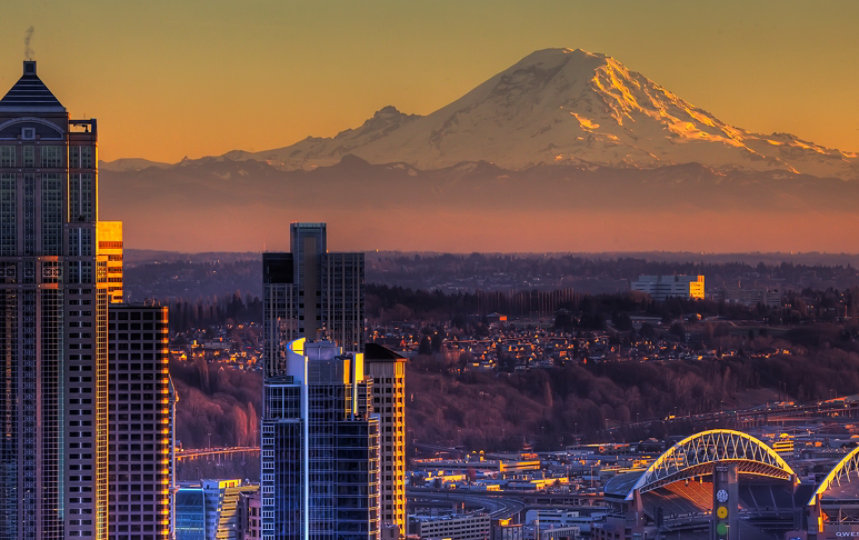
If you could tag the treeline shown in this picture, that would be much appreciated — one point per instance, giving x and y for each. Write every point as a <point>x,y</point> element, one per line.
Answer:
<point>209,312</point>
<point>384,303</point>
<point>554,270</point>
<point>574,310</point>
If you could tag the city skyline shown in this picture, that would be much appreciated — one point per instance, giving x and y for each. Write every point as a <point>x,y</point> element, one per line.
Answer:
<point>317,72</point>
<point>545,394</point>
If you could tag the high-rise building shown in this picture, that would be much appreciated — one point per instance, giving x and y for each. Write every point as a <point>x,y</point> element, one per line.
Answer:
<point>311,293</point>
<point>141,414</point>
<point>53,299</point>
<point>388,371</point>
<point>319,448</point>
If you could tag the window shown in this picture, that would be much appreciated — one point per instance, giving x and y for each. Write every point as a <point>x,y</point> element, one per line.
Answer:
<point>51,157</point>
<point>29,155</point>
<point>7,156</point>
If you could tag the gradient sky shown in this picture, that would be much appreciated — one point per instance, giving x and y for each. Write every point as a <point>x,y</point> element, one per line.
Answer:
<point>168,78</point>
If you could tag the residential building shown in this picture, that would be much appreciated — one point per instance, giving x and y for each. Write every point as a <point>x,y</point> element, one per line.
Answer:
<point>320,446</point>
<point>388,371</point>
<point>53,300</point>
<point>664,287</point>
<point>141,422</point>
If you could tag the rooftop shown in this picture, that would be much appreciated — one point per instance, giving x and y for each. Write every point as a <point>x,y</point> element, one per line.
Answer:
<point>30,94</point>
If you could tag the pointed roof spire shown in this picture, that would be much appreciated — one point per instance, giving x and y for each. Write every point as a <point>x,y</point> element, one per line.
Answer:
<point>30,94</point>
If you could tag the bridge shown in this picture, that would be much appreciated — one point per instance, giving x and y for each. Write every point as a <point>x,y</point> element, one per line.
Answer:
<point>215,452</point>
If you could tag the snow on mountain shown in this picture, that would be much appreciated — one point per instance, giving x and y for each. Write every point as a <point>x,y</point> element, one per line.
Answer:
<point>563,106</point>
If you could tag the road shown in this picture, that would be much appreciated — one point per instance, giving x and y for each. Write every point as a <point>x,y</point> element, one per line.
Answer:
<point>498,506</point>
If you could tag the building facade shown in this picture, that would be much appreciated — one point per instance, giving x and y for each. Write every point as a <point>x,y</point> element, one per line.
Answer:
<point>53,299</point>
<point>213,509</point>
<point>475,526</point>
<point>661,288</point>
<point>319,447</point>
<point>388,371</point>
<point>110,248</point>
<point>141,416</point>
<point>311,293</point>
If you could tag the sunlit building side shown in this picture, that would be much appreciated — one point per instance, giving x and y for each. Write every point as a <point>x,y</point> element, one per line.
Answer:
<point>110,251</point>
<point>388,371</point>
<point>141,416</point>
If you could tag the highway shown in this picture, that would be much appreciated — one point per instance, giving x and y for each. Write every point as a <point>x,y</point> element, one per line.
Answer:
<point>838,407</point>
<point>498,506</point>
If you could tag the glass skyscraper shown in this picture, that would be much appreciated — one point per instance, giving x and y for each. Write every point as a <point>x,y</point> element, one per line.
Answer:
<point>320,437</point>
<point>320,447</point>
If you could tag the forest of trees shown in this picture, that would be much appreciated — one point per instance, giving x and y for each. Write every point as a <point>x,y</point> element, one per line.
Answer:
<point>209,312</point>
<point>551,407</point>
<point>217,406</point>
<point>574,310</point>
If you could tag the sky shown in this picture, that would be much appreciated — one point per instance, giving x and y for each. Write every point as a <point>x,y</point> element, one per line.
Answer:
<point>169,79</point>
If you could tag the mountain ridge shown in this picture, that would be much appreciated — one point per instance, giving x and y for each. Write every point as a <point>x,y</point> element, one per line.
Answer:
<point>564,150</point>
<point>563,106</point>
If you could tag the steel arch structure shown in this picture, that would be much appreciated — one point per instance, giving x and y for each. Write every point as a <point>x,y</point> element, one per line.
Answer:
<point>696,454</point>
<point>845,471</point>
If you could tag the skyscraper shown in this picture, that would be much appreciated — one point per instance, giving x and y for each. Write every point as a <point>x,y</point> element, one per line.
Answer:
<point>311,293</point>
<point>53,299</point>
<point>319,448</point>
<point>141,417</point>
<point>388,371</point>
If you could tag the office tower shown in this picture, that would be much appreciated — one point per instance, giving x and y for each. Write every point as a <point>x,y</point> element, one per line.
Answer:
<point>388,371</point>
<point>141,417</point>
<point>311,293</point>
<point>319,448</point>
<point>53,454</point>
<point>110,251</point>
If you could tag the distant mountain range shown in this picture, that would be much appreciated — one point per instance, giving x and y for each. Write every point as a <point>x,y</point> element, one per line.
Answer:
<point>560,134</point>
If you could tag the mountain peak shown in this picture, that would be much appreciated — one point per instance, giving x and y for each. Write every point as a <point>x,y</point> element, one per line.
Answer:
<point>562,105</point>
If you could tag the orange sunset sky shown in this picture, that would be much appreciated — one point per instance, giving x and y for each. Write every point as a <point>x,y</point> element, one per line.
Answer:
<point>168,79</point>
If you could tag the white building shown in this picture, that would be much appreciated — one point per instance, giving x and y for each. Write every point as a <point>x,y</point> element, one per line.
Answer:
<point>664,287</point>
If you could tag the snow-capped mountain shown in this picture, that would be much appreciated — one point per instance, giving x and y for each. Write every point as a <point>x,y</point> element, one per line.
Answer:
<point>563,106</point>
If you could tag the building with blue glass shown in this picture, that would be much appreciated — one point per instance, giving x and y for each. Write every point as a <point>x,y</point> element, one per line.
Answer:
<point>320,447</point>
